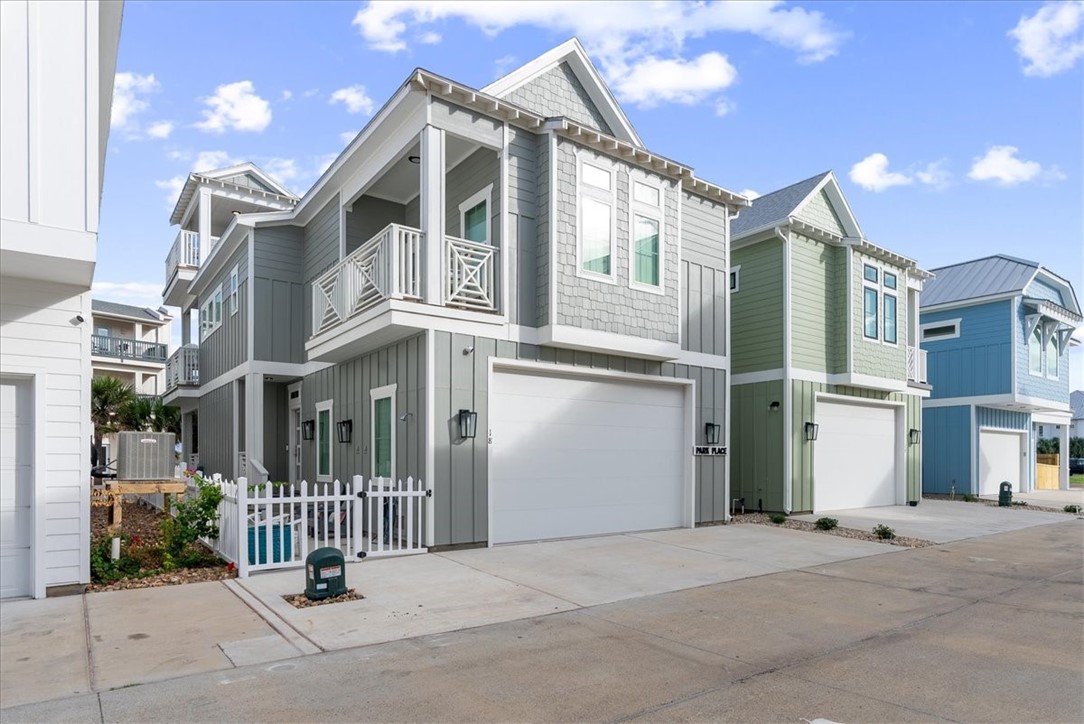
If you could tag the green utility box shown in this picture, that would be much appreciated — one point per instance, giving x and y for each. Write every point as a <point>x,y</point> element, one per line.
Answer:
<point>325,574</point>
<point>1004,494</point>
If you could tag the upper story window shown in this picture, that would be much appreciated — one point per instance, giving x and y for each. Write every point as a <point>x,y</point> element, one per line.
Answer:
<point>735,278</point>
<point>1052,357</point>
<point>474,216</point>
<point>210,314</point>
<point>869,312</point>
<point>646,250</point>
<point>890,280</point>
<point>1035,352</point>
<point>231,298</point>
<point>869,273</point>
<point>934,331</point>
<point>890,317</point>
<point>595,233</point>
<point>879,301</point>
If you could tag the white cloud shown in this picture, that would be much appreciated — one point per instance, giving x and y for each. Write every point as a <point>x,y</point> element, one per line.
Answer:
<point>750,194</point>
<point>632,42</point>
<point>872,174</point>
<point>347,136</point>
<point>173,188</point>
<point>286,95</point>
<point>354,98</point>
<point>504,64</point>
<point>283,169</point>
<point>1050,41</point>
<point>235,106</point>
<point>723,107</point>
<point>323,163</point>
<point>129,91</point>
<point>140,294</point>
<point>310,93</point>
<point>1000,165</point>
<point>160,129</point>
<point>211,160</point>
<point>935,174</point>
<point>429,38</point>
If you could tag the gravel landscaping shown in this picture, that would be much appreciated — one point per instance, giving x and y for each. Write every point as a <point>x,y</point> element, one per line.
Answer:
<point>765,519</point>
<point>300,600</point>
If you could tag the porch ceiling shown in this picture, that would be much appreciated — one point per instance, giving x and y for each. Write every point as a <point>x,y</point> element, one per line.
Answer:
<point>401,180</point>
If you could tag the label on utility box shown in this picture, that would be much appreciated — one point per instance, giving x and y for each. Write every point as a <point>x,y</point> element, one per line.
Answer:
<point>331,572</point>
<point>321,586</point>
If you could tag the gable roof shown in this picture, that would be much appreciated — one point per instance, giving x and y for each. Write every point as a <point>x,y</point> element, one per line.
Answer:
<point>223,176</point>
<point>115,309</point>
<point>572,53</point>
<point>779,206</point>
<point>993,275</point>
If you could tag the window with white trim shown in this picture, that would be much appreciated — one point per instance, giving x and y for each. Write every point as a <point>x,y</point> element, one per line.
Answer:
<point>880,304</point>
<point>1052,357</point>
<point>934,331</point>
<point>735,278</point>
<point>474,216</point>
<point>1035,352</point>
<point>646,234</point>
<point>324,451</point>
<point>382,414</point>
<point>210,314</point>
<point>231,298</point>
<point>596,229</point>
<point>890,318</point>
<point>869,312</point>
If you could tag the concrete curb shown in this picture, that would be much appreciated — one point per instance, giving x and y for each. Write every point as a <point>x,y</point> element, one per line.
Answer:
<point>304,646</point>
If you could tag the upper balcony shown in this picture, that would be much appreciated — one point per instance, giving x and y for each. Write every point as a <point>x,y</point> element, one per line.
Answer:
<point>182,378</point>
<point>182,263</point>
<point>916,365</point>
<point>128,349</point>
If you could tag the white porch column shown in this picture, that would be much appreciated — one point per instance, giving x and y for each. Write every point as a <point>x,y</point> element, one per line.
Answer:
<point>253,413</point>
<point>186,326</point>
<point>432,212</point>
<point>186,437</point>
<point>1063,457</point>
<point>204,224</point>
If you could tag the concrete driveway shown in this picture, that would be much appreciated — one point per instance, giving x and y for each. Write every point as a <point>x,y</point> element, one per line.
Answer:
<point>1049,498</point>
<point>941,521</point>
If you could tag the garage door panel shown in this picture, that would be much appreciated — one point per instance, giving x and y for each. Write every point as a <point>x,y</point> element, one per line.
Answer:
<point>1000,459</point>
<point>574,456</point>
<point>855,462</point>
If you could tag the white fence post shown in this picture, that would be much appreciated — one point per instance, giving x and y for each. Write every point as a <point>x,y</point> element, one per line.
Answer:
<point>357,505</point>
<point>242,527</point>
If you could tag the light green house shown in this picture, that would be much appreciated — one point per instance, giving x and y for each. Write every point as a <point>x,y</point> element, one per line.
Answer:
<point>828,376</point>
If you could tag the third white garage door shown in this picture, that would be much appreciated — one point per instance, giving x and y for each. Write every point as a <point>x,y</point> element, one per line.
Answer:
<point>855,456</point>
<point>1001,456</point>
<point>574,456</point>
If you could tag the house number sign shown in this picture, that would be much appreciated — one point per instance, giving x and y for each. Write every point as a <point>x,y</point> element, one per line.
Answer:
<point>709,450</point>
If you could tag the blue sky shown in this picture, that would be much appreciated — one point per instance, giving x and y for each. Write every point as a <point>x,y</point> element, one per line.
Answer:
<point>956,129</point>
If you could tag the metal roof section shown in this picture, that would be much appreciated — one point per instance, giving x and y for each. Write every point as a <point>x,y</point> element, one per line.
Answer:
<point>990,276</point>
<point>115,309</point>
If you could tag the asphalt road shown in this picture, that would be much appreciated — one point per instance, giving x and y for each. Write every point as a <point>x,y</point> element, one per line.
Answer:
<point>988,629</point>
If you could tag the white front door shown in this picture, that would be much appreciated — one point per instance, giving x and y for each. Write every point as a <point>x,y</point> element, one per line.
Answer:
<point>1001,458</point>
<point>575,456</point>
<point>16,486</point>
<point>294,436</point>
<point>854,456</point>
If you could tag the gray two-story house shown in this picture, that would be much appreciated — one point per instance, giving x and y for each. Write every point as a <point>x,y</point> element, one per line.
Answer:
<point>501,291</point>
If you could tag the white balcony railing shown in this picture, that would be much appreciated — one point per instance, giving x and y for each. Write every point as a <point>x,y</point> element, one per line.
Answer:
<point>916,365</point>
<point>471,274</point>
<point>387,266</point>
<point>182,367</point>
<point>185,252</point>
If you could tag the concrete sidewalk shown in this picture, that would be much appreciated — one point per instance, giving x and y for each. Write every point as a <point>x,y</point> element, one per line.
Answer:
<point>1049,498</point>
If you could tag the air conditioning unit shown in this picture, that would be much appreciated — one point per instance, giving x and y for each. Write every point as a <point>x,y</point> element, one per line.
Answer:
<point>145,455</point>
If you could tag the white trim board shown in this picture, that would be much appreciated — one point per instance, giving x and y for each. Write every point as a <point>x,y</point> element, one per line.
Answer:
<point>1000,401</point>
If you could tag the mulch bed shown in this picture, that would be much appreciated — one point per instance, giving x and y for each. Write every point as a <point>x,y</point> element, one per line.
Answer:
<point>300,600</point>
<point>853,533</point>
<point>142,523</point>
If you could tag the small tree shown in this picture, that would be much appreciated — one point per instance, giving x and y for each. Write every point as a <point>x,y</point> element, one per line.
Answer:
<point>109,397</point>
<point>1047,446</point>
<point>1076,447</point>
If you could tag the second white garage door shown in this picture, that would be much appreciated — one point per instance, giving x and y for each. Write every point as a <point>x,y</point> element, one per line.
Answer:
<point>1001,457</point>
<point>584,456</point>
<point>855,456</point>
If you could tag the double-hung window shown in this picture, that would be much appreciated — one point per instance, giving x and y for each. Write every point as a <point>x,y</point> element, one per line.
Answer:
<point>646,225</point>
<point>596,234</point>
<point>880,318</point>
<point>323,441</point>
<point>382,409</point>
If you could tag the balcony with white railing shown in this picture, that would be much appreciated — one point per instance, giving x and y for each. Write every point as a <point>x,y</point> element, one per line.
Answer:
<point>182,263</point>
<point>182,369</point>
<point>916,365</point>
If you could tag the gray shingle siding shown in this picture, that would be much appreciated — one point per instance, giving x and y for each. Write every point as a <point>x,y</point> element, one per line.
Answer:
<point>542,233</point>
<point>522,193</point>
<point>558,92</point>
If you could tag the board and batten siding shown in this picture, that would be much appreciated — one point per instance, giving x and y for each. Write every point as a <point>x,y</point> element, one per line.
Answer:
<point>874,356</point>
<point>756,308</point>
<point>348,384</point>
<point>216,429</point>
<point>279,294</point>
<point>461,381</point>
<point>276,433</point>
<point>321,252</point>
<point>471,175</point>
<point>946,450</point>
<point>227,347</point>
<point>704,275</point>
<point>818,305</point>
<point>367,217</point>
<point>523,210</point>
<point>39,337</point>
<point>980,360</point>
<point>756,445</point>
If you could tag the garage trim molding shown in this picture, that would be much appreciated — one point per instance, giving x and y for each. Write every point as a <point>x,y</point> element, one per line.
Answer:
<point>901,441</point>
<point>36,377</point>
<point>560,370</point>
<point>1027,460</point>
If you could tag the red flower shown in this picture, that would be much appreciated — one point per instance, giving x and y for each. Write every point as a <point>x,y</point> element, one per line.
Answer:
<point>230,567</point>
<point>136,541</point>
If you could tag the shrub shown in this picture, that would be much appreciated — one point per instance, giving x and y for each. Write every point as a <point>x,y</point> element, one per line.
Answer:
<point>883,532</point>
<point>1020,502</point>
<point>197,517</point>
<point>1071,509</point>
<point>778,518</point>
<point>968,498</point>
<point>826,523</point>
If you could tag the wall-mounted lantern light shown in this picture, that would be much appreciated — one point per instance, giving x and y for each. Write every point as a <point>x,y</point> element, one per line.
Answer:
<point>812,429</point>
<point>774,405</point>
<point>914,436</point>
<point>711,433</point>
<point>308,429</point>
<point>345,429</point>
<point>468,424</point>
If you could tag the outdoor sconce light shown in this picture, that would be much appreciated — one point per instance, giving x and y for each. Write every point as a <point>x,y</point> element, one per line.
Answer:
<point>468,424</point>
<point>711,433</point>
<point>345,428</point>
<point>914,436</point>
<point>774,405</point>
<point>416,160</point>
<point>812,429</point>
<point>308,428</point>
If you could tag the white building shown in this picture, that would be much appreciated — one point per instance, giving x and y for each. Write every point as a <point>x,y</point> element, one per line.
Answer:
<point>57,62</point>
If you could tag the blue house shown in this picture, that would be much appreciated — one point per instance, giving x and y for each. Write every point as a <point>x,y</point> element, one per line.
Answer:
<point>996,332</point>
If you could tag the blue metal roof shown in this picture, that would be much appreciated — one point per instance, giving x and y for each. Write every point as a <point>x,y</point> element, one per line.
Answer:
<point>998,274</point>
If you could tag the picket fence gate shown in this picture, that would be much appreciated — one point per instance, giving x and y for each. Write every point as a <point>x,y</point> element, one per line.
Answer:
<point>272,526</point>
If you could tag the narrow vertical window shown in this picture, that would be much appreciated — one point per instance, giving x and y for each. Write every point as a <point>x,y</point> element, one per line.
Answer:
<point>323,441</point>
<point>870,310</point>
<point>382,437</point>
<point>1052,357</point>
<point>890,318</point>
<point>646,250</point>
<point>597,235</point>
<point>1035,352</point>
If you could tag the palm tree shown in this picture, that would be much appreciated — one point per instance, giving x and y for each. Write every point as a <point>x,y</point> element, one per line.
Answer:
<point>108,399</point>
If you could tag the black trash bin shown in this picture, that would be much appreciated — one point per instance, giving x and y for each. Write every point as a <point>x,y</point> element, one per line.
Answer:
<point>325,574</point>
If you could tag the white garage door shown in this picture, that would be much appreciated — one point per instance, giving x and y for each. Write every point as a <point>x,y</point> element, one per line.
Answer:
<point>1000,458</point>
<point>854,456</point>
<point>16,486</point>
<point>580,456</point>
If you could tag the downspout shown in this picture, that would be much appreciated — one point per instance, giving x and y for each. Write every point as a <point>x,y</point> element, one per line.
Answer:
<point>788,427</point>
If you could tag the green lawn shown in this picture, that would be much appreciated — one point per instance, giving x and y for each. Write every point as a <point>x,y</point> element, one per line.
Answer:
<point>1076,480</point>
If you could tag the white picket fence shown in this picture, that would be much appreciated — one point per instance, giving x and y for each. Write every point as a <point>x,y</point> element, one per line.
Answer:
<point>268,526</point>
